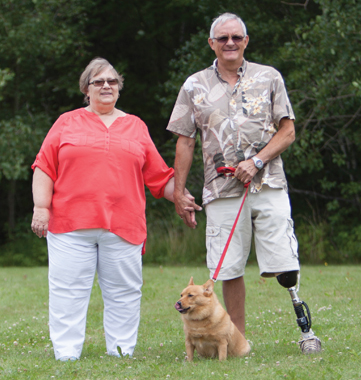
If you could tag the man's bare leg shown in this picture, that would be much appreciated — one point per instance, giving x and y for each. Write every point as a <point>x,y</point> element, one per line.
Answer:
<point>234,295</point>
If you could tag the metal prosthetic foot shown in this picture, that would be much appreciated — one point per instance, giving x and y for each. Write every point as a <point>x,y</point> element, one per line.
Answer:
<point>309,343</point>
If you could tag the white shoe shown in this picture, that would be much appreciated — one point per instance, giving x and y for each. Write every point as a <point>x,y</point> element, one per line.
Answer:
<point>68,358</point>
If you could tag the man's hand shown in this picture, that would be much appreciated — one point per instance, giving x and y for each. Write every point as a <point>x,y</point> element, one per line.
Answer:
<point>186,207</point>
<point>183,201</point>
<point>285,136</point>
<point>245,171</point>
<point>40,221</point>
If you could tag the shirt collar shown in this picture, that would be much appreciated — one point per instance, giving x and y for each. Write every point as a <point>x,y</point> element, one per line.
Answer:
<point>241,70</point>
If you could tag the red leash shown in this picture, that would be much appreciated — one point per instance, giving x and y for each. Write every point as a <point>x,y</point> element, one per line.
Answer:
<point>229,171</point>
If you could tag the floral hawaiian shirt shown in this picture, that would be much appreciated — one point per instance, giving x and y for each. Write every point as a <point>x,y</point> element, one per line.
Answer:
<point>234,124</point>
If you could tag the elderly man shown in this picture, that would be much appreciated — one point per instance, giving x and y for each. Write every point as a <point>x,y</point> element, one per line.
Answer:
<point>245,120</point>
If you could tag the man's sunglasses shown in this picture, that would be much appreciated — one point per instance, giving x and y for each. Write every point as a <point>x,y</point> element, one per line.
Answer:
<point>101,82</point>
<point>224,39</point>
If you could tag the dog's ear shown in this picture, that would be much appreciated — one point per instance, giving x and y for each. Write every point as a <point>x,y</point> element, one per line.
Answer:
<point>191,282</point>
<point>208,288</point>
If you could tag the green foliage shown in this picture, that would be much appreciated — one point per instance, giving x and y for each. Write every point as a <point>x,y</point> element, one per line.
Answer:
<point>41,43</point>
<point>171,242</point>
<point>348,243</point>
<point>269,27</point>
<point>5,76</point>
<point>24,248</point>
<point>323,64</point>
<point>19,137</point>
<point>45,45</point>
<point>315,247</point>
<point>140,37</point>
<point>315,48</point>
<point>193,56</point>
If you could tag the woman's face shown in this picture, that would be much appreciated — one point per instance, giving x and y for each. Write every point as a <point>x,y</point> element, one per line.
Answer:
<point>105,94</point>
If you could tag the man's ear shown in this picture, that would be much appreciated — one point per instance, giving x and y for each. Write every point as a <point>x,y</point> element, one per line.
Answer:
<point>211,42</point>
<point>208,288</point>
<point>191,282</point>
<point>247,41</point>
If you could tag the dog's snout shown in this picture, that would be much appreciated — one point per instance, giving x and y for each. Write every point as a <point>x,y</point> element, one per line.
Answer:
<point>178,306</point>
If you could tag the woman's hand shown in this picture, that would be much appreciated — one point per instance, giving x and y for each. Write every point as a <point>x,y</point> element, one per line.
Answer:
<point>40,222</point>
<point>42,193</point>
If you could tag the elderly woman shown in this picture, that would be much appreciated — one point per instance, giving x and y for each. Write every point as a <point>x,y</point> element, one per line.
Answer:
<point>89,202</point>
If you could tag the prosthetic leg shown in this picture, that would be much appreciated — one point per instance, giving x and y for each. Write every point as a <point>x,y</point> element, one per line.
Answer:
<point>309,343</point>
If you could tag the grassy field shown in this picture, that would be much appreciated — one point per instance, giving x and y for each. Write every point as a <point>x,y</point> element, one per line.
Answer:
<point>333,294</point>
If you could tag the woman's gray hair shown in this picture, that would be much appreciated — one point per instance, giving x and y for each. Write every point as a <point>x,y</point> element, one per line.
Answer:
<point>95,67</point>
<point>226,17</point>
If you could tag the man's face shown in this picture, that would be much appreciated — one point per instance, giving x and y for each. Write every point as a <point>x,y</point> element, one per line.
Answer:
<point>229,51</point>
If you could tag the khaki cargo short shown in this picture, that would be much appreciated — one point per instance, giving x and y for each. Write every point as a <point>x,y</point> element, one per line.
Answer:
<point>266,216</point>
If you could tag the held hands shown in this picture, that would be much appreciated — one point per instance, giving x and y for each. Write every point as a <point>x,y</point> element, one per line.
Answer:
<point>39,224</point>
<point>186,207</point>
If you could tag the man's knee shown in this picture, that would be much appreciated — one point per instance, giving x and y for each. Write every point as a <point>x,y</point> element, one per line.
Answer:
<point>288,279</point>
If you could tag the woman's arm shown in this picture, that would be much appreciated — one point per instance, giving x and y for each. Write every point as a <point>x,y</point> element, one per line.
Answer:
<point>169,189</point>
<point>43,187</point>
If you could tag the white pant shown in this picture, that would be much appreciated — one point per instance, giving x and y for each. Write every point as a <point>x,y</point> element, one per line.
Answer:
<point>73,259</point>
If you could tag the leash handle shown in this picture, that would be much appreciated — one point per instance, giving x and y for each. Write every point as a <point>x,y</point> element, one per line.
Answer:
<point>227,171</point>
<point>215,275</point>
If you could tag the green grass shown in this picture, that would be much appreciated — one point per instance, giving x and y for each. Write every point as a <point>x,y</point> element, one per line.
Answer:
<point>333,294</point>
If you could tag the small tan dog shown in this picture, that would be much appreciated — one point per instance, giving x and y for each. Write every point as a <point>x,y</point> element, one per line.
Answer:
<point>207,326</point>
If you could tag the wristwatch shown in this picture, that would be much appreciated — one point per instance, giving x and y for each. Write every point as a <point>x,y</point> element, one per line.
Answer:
<point>257,162</point>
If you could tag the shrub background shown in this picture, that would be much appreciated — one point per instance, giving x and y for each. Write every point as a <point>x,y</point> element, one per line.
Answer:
<point>156,45</point>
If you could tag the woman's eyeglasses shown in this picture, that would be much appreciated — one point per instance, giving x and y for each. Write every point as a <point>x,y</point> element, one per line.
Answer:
<point>101,82</point>
<point>224,39</point>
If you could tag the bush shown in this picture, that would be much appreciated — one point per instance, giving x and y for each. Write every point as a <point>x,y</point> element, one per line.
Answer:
<point>314,245</point>
<point>170,241</point>
<point>23,248</point>
<point>320,243</point>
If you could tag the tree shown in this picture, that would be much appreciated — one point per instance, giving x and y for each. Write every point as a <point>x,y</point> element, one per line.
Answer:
<point>139,38</point>
<point>40,42</point>
<point>269,28</point>
<point>46,44</point>
<point>44,47</point>
<point>316,46</point>
<point>325,80</point>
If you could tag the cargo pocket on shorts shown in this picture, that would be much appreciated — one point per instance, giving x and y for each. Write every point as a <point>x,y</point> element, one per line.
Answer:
<point>213,244</point>
<point>293,240</point>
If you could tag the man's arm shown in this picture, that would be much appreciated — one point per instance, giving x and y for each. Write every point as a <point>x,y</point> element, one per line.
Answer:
<point>43,187</point>
<point>284,137</point>
<point>184,204</point>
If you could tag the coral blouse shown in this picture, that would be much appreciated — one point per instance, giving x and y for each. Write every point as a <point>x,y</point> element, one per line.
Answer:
<point>99,174</point>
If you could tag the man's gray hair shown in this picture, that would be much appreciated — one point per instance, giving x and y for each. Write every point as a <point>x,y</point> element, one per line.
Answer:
<point>226,17</point>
